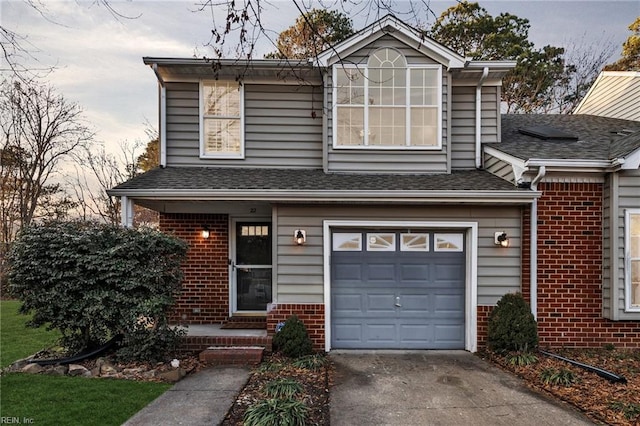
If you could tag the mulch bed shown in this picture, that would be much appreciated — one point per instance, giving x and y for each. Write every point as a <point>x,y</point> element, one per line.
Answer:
<point>599,399</point>
<point>315,392</point>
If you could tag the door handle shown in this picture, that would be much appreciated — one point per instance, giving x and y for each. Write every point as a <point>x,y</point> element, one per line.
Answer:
<point>398,302</point>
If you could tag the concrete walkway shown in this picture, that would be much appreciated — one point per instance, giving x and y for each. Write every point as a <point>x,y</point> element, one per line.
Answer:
<point>199,399</point>
<point>436,388</point>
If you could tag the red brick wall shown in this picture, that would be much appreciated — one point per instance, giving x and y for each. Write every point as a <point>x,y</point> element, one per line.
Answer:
<point>205,286</point>
<point>483,320</point>
<point>312,315</point>
<point>570,270</point>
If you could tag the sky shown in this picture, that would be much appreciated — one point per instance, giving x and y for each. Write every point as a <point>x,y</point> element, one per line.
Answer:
<point>98,54</point>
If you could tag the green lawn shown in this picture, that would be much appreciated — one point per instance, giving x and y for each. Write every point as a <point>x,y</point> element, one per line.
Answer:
<point>51,400</point>
<point>18,341</point>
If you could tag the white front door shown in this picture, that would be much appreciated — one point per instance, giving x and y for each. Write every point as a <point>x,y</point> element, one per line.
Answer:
<point>251,266</point>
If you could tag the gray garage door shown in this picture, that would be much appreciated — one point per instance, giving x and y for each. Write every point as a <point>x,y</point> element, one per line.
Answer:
<point>400,290</point>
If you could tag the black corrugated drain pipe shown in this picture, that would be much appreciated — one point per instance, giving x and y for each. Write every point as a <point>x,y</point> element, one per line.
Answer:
<point>613,378</point>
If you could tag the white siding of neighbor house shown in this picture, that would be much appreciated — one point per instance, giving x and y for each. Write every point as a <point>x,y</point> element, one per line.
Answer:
<point>628,198</point>
<point>388,161</point>
<point>280,127</point>
<point>614,94</point>
<point>300,268</point>
<point>463,123</point>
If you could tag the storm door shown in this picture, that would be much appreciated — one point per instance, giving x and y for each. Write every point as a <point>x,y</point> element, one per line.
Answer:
<point>252,266</point>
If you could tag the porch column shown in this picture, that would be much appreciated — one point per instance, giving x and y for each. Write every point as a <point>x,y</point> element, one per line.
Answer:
<point>126,211</point>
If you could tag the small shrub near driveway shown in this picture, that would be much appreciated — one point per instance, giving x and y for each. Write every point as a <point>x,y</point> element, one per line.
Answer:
<point>292,339</point>
<point>92,281</point>
<point>511,326</point>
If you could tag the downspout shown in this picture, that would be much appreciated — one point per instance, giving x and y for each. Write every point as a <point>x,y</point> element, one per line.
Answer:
<point>163,117</point>
<point>533,257</point>
<point>485,73</point>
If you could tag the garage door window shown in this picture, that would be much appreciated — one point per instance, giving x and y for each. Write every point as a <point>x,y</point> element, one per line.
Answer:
<point>449,242</point>
<point>347,241</point>
<point>381,242</point>
<point>414,242</point>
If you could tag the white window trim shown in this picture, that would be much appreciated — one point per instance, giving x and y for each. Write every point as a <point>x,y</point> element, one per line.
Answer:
<point>627,260</point>
<point>365,71</point>
<point>471,279</point>
<point>203,155</point>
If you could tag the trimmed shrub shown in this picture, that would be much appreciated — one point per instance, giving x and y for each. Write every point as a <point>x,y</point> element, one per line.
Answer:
<point>92,281</point>
<point>512,326</point>
<point>292,339</point>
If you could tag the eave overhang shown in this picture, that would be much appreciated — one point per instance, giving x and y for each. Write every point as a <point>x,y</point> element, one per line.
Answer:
<point>259,70</point>
<point>410,197</point>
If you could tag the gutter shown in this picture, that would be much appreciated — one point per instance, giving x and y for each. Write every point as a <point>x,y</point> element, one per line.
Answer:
<point>506,196</point>
<point>533,257</point>
<point>485,74</point>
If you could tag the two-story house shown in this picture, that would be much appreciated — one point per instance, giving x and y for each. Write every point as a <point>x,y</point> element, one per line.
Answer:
<point>379,194</point>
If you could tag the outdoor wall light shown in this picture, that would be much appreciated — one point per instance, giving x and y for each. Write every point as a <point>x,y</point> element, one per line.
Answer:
<point>300,236</point>
<point>205,231</point>
<point>501,239</point>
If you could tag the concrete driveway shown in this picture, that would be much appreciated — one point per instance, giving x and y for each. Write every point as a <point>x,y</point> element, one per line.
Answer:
<point>435,388</point>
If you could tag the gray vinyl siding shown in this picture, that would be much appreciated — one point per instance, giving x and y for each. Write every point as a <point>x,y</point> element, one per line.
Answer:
<point>628,198</point>
<point>280,127</point>
<point>613,95</point>
<point>463,122</point>
<point>499,168</point>
<point>300,268</point>
<point>388,161</point>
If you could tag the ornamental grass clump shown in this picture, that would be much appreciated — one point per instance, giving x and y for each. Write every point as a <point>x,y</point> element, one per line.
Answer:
<point>292,339</point>
<point>512,327</point>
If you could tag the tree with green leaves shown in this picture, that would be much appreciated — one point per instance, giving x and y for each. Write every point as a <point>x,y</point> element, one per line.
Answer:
<point>630,60</point>
<point>313,32</point>
<point>471,31</point>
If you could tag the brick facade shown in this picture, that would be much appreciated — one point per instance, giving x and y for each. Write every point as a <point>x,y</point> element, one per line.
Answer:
<point>570,269</point>
<point>205,287</point>
<point>312,315</point>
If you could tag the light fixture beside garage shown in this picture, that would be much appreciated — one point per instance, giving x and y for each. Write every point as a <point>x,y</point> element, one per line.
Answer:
<point>300,236</point>
<point>501,239</point>
<point>205,232</point>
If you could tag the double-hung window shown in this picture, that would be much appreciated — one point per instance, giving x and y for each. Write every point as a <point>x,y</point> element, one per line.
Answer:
<point>221,119</point>
<point>632,259</point>
<point>387,104</point>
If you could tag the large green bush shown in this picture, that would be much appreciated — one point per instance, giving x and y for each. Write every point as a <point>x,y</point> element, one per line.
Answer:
<point>512,326</point>
<point>92,281</point>
<point>292,339</point>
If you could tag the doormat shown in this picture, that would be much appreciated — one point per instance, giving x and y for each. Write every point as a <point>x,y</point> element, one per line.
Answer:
<point>244,325</point>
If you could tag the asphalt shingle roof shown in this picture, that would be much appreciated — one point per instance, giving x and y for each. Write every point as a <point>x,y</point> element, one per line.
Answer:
<point>239,179</point>
<point>599,138</point>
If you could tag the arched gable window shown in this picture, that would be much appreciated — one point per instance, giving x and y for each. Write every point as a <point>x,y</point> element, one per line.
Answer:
<point>387,103</point>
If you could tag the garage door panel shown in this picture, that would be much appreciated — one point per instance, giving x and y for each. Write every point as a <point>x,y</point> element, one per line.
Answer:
<point>416,333</point>
<point>385,272</point>
<point>348,304</point>
<point>410,273</point>
<point>348,272</point>
<point>448,336</point>
<point>381,303</point>
<point>376,332</point>
<point>347,334</point>
<point>413,304</point>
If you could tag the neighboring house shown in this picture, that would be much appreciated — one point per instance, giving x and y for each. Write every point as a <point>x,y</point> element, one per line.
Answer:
<point>614,94</point>
<point>379,195</point>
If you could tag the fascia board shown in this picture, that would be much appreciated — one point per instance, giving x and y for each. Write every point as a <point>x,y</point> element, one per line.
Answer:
<point>630,161</point>
<point>457,197</point>
<point>595,165</point>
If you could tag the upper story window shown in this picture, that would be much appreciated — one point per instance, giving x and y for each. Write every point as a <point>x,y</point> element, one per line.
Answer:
<point>632,259</point>
<point>221,119</point>
<point>387,104</point>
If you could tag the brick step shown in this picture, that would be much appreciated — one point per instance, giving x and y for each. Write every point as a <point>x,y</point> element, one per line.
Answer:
<point>196,344</point>
<point>232,355</point>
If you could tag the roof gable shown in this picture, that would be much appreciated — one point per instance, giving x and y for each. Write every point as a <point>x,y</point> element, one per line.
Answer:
<point>390,25</point>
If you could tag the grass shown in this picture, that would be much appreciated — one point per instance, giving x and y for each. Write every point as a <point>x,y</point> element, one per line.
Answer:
<point>18,341</point>
<point>53,400</point>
